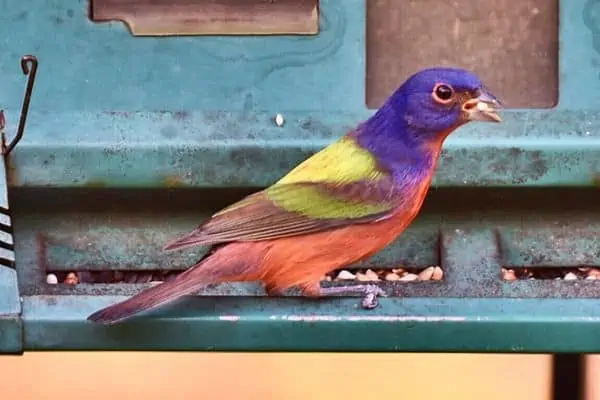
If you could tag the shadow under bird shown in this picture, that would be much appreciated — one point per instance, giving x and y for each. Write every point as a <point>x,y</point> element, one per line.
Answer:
<point>339,206</point>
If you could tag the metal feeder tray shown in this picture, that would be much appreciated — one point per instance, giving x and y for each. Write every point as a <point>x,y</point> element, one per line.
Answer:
<point>134,139</point>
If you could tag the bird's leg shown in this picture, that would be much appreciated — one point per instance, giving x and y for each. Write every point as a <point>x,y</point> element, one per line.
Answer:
<point>370,293</point>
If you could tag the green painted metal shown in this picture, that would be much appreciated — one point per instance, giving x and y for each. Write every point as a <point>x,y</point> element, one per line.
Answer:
<point>10,302</point>
<point>472,309</point>
<point>198,111</point>
<point>203,149</point>
<point>239,324</point>
<point>116,120</point>
<point>10,312</point>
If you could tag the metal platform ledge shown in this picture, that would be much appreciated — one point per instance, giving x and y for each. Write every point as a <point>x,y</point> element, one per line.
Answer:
<point>471,310</point>
<point>235,149</point>
<point>287,324</point>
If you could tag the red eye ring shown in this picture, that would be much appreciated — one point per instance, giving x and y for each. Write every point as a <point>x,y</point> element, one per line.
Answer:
<point>443,93</point>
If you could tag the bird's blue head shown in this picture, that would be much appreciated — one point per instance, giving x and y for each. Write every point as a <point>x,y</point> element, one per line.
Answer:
<point>432,103</point>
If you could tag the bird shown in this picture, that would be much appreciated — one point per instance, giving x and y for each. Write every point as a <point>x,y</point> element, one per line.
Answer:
<point>339,206</point>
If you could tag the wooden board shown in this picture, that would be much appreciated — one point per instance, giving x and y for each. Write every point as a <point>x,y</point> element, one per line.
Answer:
<point>512,45</point>
<point>210,17</point>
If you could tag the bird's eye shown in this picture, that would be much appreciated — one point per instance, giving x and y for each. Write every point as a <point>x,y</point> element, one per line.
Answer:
<point>443,93</point>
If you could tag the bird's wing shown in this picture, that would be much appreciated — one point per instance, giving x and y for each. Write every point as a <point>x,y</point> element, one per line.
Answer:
<point>294,209</point>
<point>338,186</point>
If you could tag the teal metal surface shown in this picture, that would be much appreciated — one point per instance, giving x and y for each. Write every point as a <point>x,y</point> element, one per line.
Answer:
<point>198,111</point>
<point>132,141</point>
<point>471,309</point>
<point>11,327</point>
<point>10,303</point>
<point>233,149</point>
<point>438,324</point>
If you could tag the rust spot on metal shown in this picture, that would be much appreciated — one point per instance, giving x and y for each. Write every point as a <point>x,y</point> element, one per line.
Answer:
<point>12,174</point>
<point>173,181</point>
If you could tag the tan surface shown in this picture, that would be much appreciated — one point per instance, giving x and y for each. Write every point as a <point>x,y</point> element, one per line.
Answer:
<point>274,376</point>
<point>512,45</point>
<point>211,17</point>
<point>592,375</point>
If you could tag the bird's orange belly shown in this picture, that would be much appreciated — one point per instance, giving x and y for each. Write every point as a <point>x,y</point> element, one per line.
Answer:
<point>303,260</point>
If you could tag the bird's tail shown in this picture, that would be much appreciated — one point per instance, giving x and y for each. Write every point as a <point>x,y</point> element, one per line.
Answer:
<point>184,284</point>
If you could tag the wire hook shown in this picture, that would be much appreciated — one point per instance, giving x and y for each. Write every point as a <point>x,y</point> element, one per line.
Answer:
<point>29,66</point>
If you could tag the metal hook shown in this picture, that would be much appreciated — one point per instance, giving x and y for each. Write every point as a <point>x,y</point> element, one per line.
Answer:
<point>29,66</point>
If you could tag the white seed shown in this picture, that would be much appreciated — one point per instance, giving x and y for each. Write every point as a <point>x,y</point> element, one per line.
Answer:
<point>155,282</point>
<point>345,275</point>
<point>51,279</point>
<point>426,274</point>
<point>361,277</point>
<point>438,274</point>
<point>372,275</point>
<point>481,106</point>
<point>594,272</point>
<point>366,277</point>
<point>398,271</point>
<point>72,278</point>
<point>591,277</point>
<point>509,275</point>
<point>392,277</point>
<point>409,277</point>
<point>279,120</point>
<point>570,277</point>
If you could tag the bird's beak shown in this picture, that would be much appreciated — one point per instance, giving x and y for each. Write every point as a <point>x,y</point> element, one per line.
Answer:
<point>482,108</point>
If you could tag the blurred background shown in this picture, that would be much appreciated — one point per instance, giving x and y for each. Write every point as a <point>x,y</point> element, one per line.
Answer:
<point>99,375</point>
<point>178,375</point>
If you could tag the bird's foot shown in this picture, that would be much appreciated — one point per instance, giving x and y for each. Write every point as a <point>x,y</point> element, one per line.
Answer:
<point>370,293</point>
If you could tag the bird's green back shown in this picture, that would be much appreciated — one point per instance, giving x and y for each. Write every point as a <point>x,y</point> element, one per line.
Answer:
<point>341,163</point>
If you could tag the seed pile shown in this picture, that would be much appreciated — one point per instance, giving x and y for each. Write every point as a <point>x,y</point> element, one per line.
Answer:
<point>432,273</point>
<point>567,274</point>
<point>74,278</point>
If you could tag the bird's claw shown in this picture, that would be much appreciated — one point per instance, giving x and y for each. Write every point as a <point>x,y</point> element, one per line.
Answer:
<point>370,293</point>
<point>370,299</point>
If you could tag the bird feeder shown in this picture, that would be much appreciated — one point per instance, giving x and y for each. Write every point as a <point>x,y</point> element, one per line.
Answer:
<point>147,117</point>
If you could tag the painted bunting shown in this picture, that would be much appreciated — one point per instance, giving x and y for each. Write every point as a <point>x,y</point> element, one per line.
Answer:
<point>339,206</point>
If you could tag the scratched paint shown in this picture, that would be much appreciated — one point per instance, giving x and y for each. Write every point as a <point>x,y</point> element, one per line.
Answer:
<point>366,318</point>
